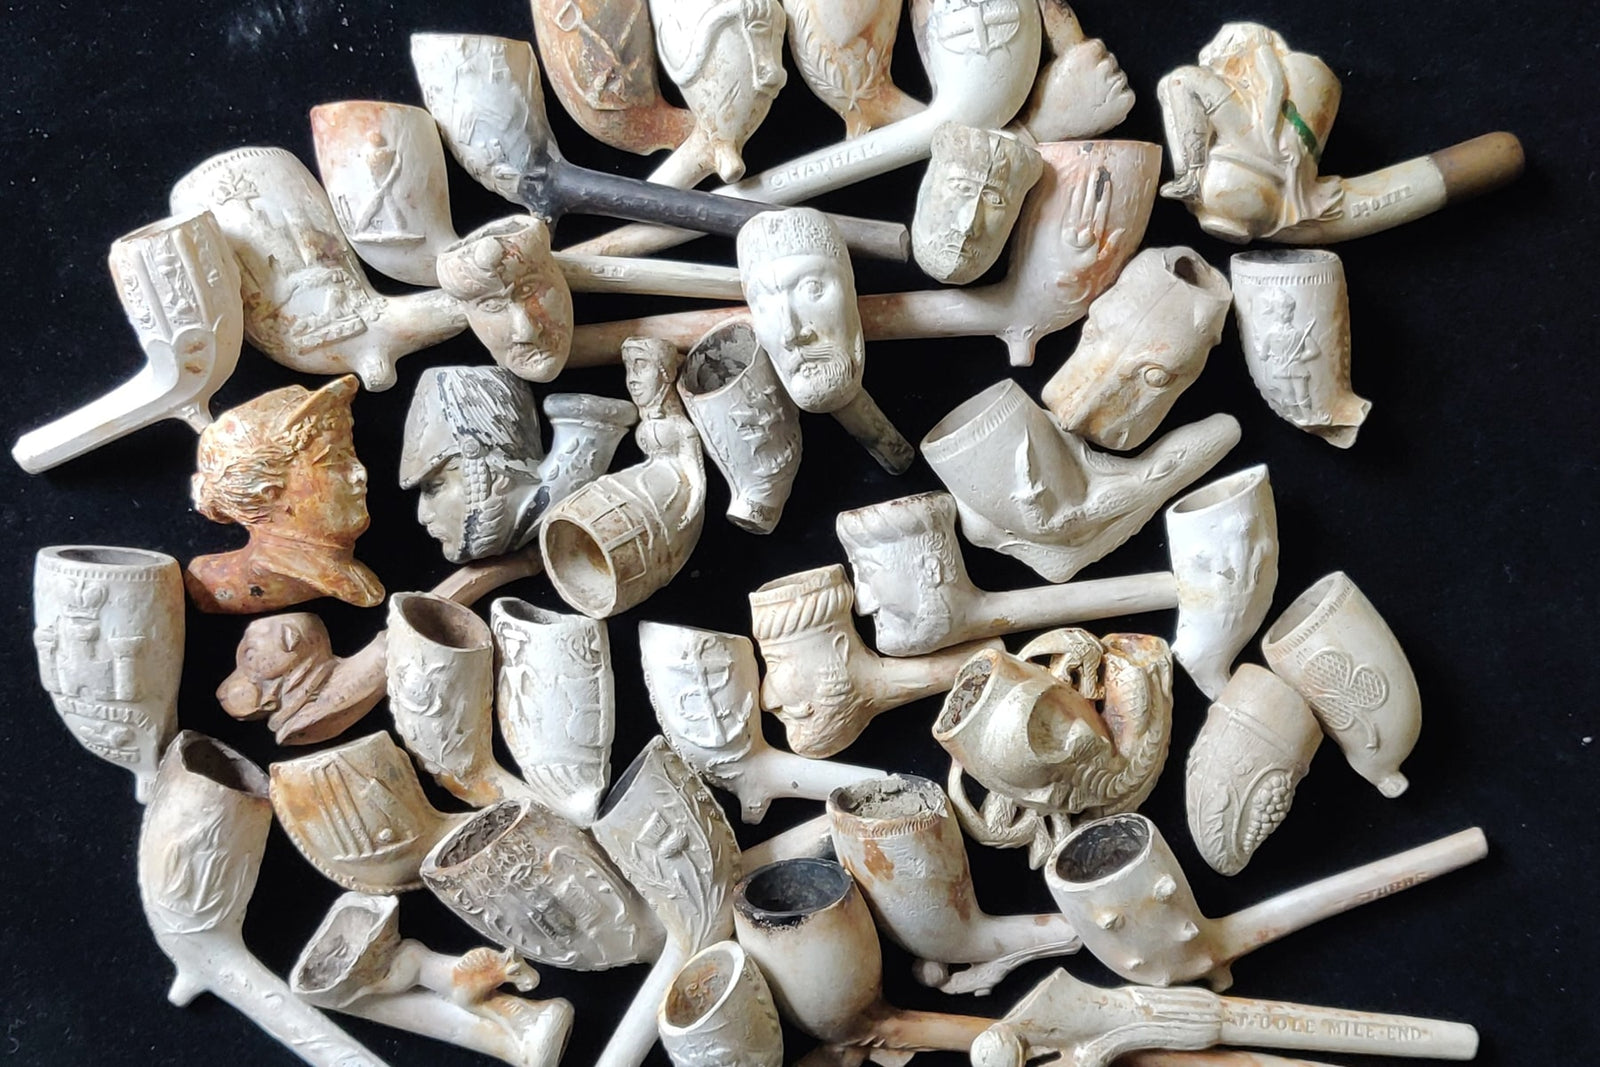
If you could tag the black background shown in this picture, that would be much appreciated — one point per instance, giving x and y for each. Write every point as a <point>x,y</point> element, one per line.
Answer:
<point>1466,511</point>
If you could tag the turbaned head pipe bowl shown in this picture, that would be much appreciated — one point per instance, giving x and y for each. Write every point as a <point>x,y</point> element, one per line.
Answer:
<point>900,842</point>
<point>358,814</point>
<point>600,57</point>
<point>1331,644</point>
<point>1072,1022</point>
<point>719,1011</point>
<point>1030,490</point>
<point>1247,126</point>
<point>307,302</point>
<point>1080,91</point>
<point>1253,749</point>
<point>179,285</point>
<point>822,681</point>
<point>108,631</point>
<point>485,94</point>
<point>556,701</point>
<point>1120,886</point>
<point>704,686</point>
<point>530,881</point>
<point>357,963</point>
<point>200,850</point>
<point>843,53</point>
<point>285,670</point>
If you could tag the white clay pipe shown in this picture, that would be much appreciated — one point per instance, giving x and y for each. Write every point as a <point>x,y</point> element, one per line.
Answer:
<point>719,1011</point>
<point>843,52</point>
<point>200,851</point>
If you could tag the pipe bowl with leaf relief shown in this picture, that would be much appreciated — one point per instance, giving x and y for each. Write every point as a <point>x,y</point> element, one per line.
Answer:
<point>307,302</point>
<point>200,850</point>
<point>843,53</point>
<point>704,686</point>
<point>357,963</point>
<point>667,835</point>
<point>1247,126</point>
<point>1331,644</point>
<point>1253,749</point>
<point>1145,341</point>
<point>822,681</point>
<point>897,837</point>
<point>358,814</point>
<point>1080,91</point>
<point>108,632</point>
<point>556,703</point>
<point>1026,488</point>
<point>745,420</point>
<point>1294,326</point>
<point>719,1011</point>
<point>971,194</point>
<point>179,285</point>
<point>1120,886</point>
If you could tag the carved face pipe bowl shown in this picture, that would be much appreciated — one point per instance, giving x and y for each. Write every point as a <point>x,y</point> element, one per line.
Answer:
<point>179,285</point>
<point>1335,649</point>
<point>969,199</point>
<point>1119,885</point>
<point>486,96</point>
<point>200,851</point>
<point>357,963</point>
<point>704,687</point>
<point>899,841</point>
<point>718,1007</point>
<point>822,680</point>
<point>108,631</point>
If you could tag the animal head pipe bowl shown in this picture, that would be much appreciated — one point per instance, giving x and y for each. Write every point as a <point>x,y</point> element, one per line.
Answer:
<point>843,52</point>
<point>1080,91</point>
<point>307,302</point>
<point>485,94</point>
<point>285,670</point>
<point>899,841</point>
<point>108,631</point>
<point>704,686</point>
<point>1335,649</point>
<point>822,681</point>
<point>719,1010</point>
<point>179,285</point>
<point>1118,883</point>
<point>200,850</point>
<point>357,963</point>
<point>1247,179</point>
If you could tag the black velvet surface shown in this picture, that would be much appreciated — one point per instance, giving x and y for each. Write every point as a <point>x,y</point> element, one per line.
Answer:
<point>1466,510</point>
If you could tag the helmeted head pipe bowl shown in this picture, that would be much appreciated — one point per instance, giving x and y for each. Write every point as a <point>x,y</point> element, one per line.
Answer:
<point>179,285</point>
<point>1145,341</point>
<point>556,702</point>
<point>1331,644</point>
<point>357,963</point>
<point>486,96</point>
<point>200,850</point>
<point>746,422</point>
<point>307,302</point>
<point>1121,887</point>
<point>1294,327</point>
<point>897,837</point>
<point>969,199</point>
<point>108,631</point>
<point>1026,488</point>
<point>1247,126</point>
<point>285,670</point>
<point>843,52</point>
<point>822,681</point>
<point>1253,749</point>
<point>719,1011</point>
<point>1080,91</point>
<point>358,814</point>
<point>704,686</point>
<point>534,883</point>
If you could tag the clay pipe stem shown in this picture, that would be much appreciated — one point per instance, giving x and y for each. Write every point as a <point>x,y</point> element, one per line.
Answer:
<point>926,1031</point>
<point>906,680</point>
<point>1271,919</point>
<point>865,421</point>
<point>611,274</point>
<point>812,839</point>
<point>1275,1024</point>
<point>806,779</point>
<point>1099,598</point>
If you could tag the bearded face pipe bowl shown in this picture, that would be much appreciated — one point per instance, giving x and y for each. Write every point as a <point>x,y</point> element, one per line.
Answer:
<point>1118,883</point>
<point>200,851</point>
<point>357,963</point>
<point>899,841</point>
<point>485,94</point>
<point>719,1011</point>
<point>108,631</point>
<point>822,681</point>
<point>179,285</point>
<point>1335,649</point>
<point>704,687</point>
<point>969,200</point>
